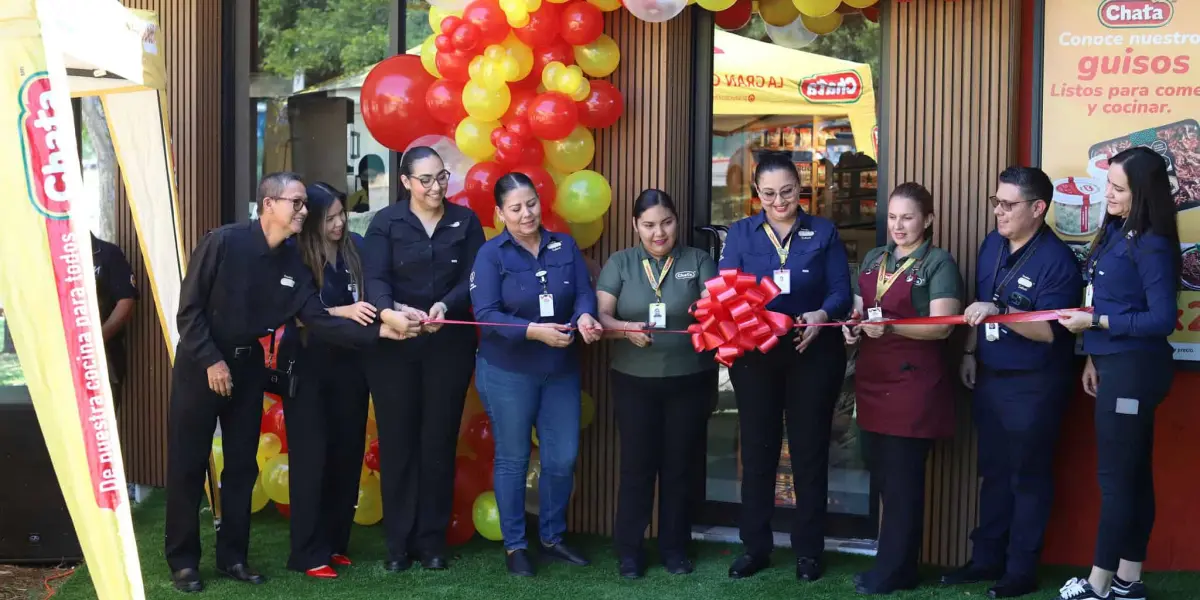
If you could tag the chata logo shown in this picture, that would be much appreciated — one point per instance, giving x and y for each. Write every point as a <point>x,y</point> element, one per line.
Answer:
<point>1125,14</point>
<point>45,165</point>
<point>832,87</point>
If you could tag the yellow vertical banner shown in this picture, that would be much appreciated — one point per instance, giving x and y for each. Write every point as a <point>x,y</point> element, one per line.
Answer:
<point>48,287</point>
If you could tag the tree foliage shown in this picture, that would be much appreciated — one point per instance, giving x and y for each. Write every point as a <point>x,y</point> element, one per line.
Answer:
<point>321,38</point>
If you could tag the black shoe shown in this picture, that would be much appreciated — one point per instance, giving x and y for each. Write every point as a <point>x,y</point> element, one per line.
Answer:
<point>187,580</point>
<point>631,568</point>
<point>561,551</point>
<point>434,562</point>
<point>1013,587</point>
<point>678,565</point>
<point>1128,590</point>
<point>519,564</point>
<point>868,584</point>
<point>241,572</point>
<point>396,566</point>
<point>747,565</point>
<point>808,569</point>
<point>972,573</point>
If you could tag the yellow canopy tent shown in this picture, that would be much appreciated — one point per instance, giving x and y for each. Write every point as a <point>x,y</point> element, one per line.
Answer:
<point>50,51</point>
<point>760,85</point>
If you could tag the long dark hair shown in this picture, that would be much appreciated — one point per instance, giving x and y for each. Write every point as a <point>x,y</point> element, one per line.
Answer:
<point>406,167</point>
<point>510,182</point>
<point>1152,208</point>
<point>311,239</point>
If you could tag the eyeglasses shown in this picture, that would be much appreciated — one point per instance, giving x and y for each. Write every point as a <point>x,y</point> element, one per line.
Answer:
<point>427,180</point>
<point>787,194</point>
<point>1006,205</point>
<point>298,202</point>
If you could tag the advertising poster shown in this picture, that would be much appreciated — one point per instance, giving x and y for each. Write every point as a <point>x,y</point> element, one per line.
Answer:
<point>1122,73</point>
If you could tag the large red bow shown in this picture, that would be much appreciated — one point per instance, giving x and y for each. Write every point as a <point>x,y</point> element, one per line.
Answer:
<point>734,319</point>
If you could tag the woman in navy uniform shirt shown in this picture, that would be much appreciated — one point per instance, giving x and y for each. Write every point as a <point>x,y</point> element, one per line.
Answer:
<point>418,260</point>
<point>801,377</point>
<point>327,419</point>
<point>534,285</point>
<point>1132,274</point>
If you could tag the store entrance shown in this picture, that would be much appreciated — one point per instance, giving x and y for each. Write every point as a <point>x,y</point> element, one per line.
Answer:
<point>832,145</point>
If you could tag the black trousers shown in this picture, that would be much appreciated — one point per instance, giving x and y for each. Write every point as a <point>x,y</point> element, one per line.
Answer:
<point>803,388</point>
<point>419,399</point>
<point>897,466</point>
<point>662,425</point>
<point>192,418</point>
<point>1131,386</point>
<point>326,425</point>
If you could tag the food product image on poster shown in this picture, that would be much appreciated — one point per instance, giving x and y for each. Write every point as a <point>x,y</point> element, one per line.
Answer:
<point>1119,74</point>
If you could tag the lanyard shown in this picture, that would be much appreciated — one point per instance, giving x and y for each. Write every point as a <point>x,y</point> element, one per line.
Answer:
<point>781,249</point>
<point>996,287</point>
<point>883,281</point>
<point>656,283</point>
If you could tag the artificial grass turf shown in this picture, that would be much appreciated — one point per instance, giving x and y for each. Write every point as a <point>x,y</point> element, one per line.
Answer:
<point>477,573</point>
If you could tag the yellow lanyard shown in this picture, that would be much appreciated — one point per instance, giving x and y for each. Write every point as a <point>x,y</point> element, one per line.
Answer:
<point>781,249</point>
<point>884,281</point>
<point>656,282</point>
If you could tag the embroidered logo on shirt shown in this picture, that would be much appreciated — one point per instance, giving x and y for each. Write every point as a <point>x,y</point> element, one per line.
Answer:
<point>554,246</point>
<point>685,275</point>
<point>805,234</point>
<point>287,281</point>
<point>1025,282</point>
<point>472,280</point>
<point>455,224</point>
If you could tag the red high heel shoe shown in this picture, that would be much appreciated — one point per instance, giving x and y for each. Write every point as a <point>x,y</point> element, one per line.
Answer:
<point>340,560</point>
<point>322,572</point>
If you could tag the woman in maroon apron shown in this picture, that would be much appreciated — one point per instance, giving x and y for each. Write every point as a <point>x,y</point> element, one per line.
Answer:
<point>904,388</point>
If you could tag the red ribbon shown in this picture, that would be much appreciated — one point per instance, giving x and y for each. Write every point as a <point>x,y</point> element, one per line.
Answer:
<point>734,319</point>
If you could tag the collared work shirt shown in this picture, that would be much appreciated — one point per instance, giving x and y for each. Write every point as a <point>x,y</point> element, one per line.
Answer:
<point>1134,285</point>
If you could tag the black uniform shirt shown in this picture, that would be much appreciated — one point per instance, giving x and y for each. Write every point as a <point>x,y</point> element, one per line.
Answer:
<point>404,264</point>
<point>114,282</point>
<point>237,289</point>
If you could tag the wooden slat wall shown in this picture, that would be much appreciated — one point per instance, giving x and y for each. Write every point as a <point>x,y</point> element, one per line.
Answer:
<point>647,148</point>
<point>952,79</point>
<point>190,33</point>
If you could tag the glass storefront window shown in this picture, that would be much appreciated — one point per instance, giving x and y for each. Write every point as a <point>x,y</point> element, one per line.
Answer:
<point>829,128</point>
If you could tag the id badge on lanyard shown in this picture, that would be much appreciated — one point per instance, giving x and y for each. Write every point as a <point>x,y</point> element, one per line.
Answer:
<point>782,276</point>
<point>545,299</point>
<point>353,287</point>
<point>657,311</point>
<point>883,283</point>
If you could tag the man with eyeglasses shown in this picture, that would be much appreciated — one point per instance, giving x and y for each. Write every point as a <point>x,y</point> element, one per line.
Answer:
<point>1022,376</point>
<point>242,282</point>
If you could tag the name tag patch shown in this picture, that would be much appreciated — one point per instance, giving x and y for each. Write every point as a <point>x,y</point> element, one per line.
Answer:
<point>1025,282</point>
<point>805,234</point>
<point>287,281</point>
<point>554,246</point>
<point>685,275</point>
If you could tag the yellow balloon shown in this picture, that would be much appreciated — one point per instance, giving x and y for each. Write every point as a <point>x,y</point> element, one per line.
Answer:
<point>606,5</point>
<point>429,56</point>
<point>437,15</point>
<point>822,25</point>
<point>218,458</point>
<point>860,3</point>
<point>599,58</point>
<point>372,429</point>
<point>474,138</point>
<point>483,103</point>
<point>587,234</point>
<point>276,480</point>
<point>551,73</point>
<point>370,502</point>
<point>554,174</point>
<point>571,153</point>
<point>535,440</point>
<point>816,8</point>
<point>489,233</point>
<point>268,402</point>
<point>370,408</point>
<point>584,196</point>
<point>269,446</point>
<point>582,91</point>
<point>777,12</point>
<point>517,49</point>
<point>558,1</point>
<point>587,410</point>
<point>716,5</point>
<point>258,497</point>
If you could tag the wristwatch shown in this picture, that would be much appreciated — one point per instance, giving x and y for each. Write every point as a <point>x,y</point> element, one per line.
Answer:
<point>1095,320</point>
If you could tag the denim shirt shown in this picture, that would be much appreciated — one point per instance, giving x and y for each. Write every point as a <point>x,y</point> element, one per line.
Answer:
<point>506,289</point>
<point>817,261</point>
<point>1133,285</point>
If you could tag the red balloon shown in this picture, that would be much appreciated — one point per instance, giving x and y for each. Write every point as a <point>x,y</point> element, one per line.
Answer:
<point>521,128</point>
<point>558,50</point>
<point>284,509</point>
<point>871,13</point>
<point>553,222</point>
<point>532,155</point>
<point>450,23</point>
<point>478,436</point>
<point>443,43</point>
<point>472,477</point>
<point>461,529</point>
<point>518,108</point>
<point>371,457</point>
<point>393,102</point>
<point>481,204</point>
<point>273,421</point>
<point>454,65</point>
<point>489,18</point>
<point>542,28</point>
<point>444,101</point>
<point>602,107</point>
<point>466,37</point>
<point>481,180</point>
<point>553,115</point>
<point>543,184</point>
<point>582,23</point>
<point>735,17</point>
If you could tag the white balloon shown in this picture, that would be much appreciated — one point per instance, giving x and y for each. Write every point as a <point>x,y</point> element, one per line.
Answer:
<point>794,35</point>
<point>456,162</point>
<point>656,11</point>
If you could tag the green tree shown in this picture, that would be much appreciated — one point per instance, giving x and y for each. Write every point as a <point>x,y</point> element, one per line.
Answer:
<point>857,40</point>
<point>416,23</point>
<point>322,38</point>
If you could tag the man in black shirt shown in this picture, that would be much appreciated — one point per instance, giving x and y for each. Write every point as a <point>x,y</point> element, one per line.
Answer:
<point>116,295</point>
<point>242,282</point>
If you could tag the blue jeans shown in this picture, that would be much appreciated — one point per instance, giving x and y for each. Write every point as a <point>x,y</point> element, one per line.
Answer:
<point>515,403</point>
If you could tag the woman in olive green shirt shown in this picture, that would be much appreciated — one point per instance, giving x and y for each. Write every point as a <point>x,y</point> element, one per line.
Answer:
<point>660,383</point>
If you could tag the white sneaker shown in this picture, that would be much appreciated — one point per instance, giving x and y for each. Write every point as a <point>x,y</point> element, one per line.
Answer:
<point>1080,589</point>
